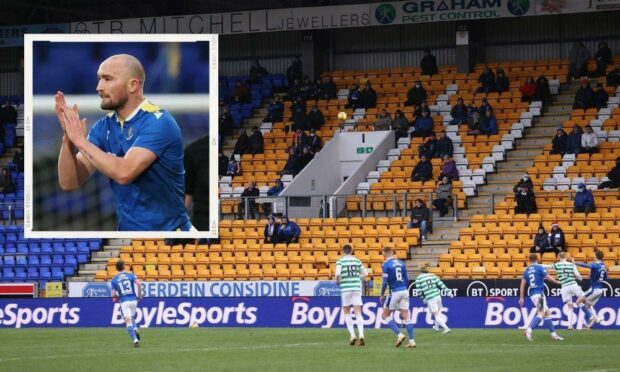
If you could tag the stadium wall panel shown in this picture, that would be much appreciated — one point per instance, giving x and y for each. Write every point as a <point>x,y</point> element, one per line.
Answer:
<point>524,52</point>
<point>389,59</point>
<point>12,83</point>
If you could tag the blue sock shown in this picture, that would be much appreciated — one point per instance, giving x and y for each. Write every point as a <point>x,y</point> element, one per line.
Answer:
<point>132,332</point>
<point>535,322</point>
<point>393,326</point>
<point>409,326</point>
<point>588,313</point>
<point>134,323</point>
<point>549,324</point>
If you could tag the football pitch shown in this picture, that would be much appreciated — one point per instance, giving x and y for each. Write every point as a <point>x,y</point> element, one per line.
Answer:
<point>256,349</point>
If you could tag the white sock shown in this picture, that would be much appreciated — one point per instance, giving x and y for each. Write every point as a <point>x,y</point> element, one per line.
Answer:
<point>439,320</point>
<point>359,320</point>
<point>571,314</point>
<point>349,322</point>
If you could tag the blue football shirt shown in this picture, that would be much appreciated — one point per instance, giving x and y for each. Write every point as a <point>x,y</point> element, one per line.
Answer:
<point>395,273</point>
<point>155,200</point>
<point>598,274</point>
<point>124,285</point>
<point>535,275</point>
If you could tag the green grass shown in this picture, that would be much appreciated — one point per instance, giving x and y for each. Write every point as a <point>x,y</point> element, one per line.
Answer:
<point>202,349</point>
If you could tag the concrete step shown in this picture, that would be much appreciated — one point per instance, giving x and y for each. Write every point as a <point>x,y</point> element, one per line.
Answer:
<point>119,242</point>
<point>91,267</point>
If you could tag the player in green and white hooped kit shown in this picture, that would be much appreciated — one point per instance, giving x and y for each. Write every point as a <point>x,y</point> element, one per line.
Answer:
<point>349,274</point>
<point>429,288</point>
<point>568,276</point>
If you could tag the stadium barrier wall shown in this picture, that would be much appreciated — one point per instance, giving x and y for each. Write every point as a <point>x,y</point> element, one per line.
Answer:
<point>279,288</point>
<point>288,312</point>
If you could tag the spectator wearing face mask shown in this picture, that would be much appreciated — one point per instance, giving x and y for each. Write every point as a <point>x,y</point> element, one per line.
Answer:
<point>526,201</point>
<point>315,118</point>
<point>416,95</point>
<point>314,142</point>
<point>584,200</point>
<point>355,98</point>
<point>524,180</point>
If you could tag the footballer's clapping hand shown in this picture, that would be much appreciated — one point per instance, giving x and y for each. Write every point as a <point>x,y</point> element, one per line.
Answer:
<point>59,98</point>
<point>74,126</point>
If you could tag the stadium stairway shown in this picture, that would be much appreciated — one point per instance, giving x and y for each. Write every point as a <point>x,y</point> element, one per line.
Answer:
<point>256,120</point>
<point>99,260</point>
<point>497,184</point>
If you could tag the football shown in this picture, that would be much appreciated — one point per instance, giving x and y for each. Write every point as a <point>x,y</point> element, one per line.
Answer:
<point>342,116</point>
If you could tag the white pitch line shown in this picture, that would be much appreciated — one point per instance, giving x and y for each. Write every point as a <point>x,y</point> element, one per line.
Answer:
<point>184,350</point>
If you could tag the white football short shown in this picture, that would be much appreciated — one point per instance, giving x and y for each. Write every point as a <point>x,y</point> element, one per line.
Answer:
<point>397,301</point>
<point>571,290</point>
<point>128,309</point>
<point>593,295</point>
<point>434,305</point>
<point>351,298</point>
<point>540,302</point>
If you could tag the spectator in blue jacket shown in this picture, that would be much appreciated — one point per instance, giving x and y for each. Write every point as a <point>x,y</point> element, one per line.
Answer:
<point>489,125</point>
<point>423,125</point>
<point>487,81</point>
<point>355,97</point>
<point>459,113</point>
<point>573,142</point>
<point>275,111</point>
<point>289,231</point>
<point>584,200</point>
<point>273,191</point>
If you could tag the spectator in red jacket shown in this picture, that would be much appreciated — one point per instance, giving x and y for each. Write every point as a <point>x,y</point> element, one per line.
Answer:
<point>528,90</point>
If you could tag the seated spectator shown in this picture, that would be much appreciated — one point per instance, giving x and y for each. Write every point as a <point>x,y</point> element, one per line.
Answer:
<point>541,242</point>
<point>299,141</point>
<point>293,164</point>
<point>314,142</point>
<point>242,93</point>
<point>250,194</point>
<point>584,95</point>
<point>445,146</point>
<point>428,63</point>
<point>423,171</point>
<point>578,57</point>
<point>423,125</point>
<point>7,184</point>
<point>614,177</point>
<point>489,125</point>
<point>584,200</point>
<point>307,88</point>
<point>306,157</point>
<point>528,90</point>
<point>294,91</point>
<point>557,241</point>
<point>400,125</point>
<point>271,231</point>
<point>18,159</point>
<point>233,167</point>
<point>523,181</point>
<point>275,111</point>
<point>458,113</point>
<point>294,71</point>
<point>330,90</point>
<point>420,217</point>
<point>225,124</point>
<point>613,77</point>
<point>273,191</point>
<point>256,142</point>
<point>222,165</point>
<point>559,142</point>
<point>573,142</point>
<point>315,118</point>
<point>8,113</point>
<point>416,95</point>
<point>384,121</point>
<point>428,148</point>
<point>354,99</point>
<point>501,83</point>
<point>543,91</point>
<point>487,81</point>
<point>300,120</point>
<point>526,201</point>
<point>474,123</point>
<point>443,196</point>
<point>257,72</point>
<point>589,141</point>
<point>603,58</point>
<point>422,107</point>
<point>369,96</point>
<point>449,169</point>
<point>600,97</point>
<point>243,143</point>
<point>289,231</point>
<point>484,106</point>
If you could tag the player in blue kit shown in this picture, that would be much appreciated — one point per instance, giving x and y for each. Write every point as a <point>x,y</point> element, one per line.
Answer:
<point>138,146</point>
<point>124,286</point>
<point>535,276</point>
<point>395,278</point>
<point>598,276</point>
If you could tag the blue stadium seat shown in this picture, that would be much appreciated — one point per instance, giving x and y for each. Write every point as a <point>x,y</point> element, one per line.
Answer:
<point>19,213</point>
<point>46,248</point>
<point>59,275</point>
<point>45,274</point>
<point>9,261</point>
<point>33,260</point>
<point>58,260</point>
<point>94,245</point>
<point>32,274</point>
<point>58,248</point>
<point>83,249</point>
<point>7,274</point>
<point>20,261</point>
<point>10,228</point>
<point>70,261</point>
<point>22,248</point>
<point>82,258</point>
<point>10,248</point>
<point>20,274</point>
<point>45,260</point>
